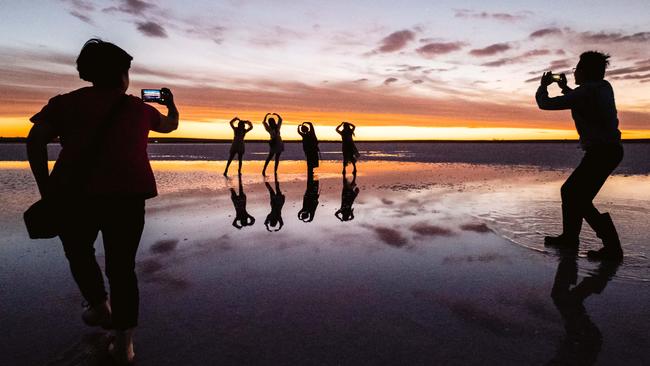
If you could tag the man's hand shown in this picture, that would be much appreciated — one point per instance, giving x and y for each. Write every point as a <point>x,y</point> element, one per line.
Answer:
<point>562,83</point>
<point>547,79</point>
<point>167,97</point>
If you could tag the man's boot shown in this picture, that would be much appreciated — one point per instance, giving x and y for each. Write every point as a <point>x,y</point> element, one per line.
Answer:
<point>571,225</point>
<point>606,231</point>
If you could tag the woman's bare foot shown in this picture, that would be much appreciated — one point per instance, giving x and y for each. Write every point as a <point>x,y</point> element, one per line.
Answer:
<point>121,349</point>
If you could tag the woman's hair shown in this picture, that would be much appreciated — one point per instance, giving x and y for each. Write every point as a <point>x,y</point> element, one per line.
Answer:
<point>272,122</point>
<point>102,63</point>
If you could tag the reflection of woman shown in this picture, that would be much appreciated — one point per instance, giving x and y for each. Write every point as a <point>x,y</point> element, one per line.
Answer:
<point>350,152</point>
<point>242,217</point>
<point>274,218</point>
<point>237,146</point>
<point>101,178</point>
<point>276,146</point>
<point>309,145</point>
<point>583,340</point>
<point>348,195</point>
<point>309,200</point>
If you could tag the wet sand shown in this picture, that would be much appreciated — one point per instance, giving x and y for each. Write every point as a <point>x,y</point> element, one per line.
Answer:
<point>442,264</point>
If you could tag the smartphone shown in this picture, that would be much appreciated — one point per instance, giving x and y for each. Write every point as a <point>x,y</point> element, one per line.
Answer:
<point>556,77</point>
<point>153,96</point>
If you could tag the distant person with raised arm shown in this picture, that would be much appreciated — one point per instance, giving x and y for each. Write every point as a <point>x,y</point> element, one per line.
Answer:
<point>276,146</point>
<point>100,182</point>
<point>309,146</point>
<point>594,112</point>
<point>238,147</point>
<point>350,152</point>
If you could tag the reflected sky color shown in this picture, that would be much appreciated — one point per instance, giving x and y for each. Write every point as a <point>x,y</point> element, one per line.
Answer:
<point>470,68</point>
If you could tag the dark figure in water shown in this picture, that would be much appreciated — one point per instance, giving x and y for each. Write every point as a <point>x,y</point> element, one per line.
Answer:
<point>309,145</point>
<point>583,340</point>
<point>594,112</point>
<point>274,218</point>
<point>310,200</point>
<point>100,182</point>
<point>348,195</point>
<point>276,146</point>
<point>350,152</point>
<point>242,217</point>
<point>237,147</point>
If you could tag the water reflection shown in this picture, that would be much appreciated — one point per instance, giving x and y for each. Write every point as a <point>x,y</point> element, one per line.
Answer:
<point>274,218</point>
<point>310,199</point>
<point>242,217</point>
<point>583,340</point>
<point>348,195</point>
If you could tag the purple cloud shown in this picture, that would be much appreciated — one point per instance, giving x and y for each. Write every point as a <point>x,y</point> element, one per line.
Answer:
<point>545,32</point>
<point>517,59</point>
<point>396,41</point>
<point>133,7</point>
<point>505,17</point>
<point>615,37</point>
<point>439,48</point>
<point>390,81</point>
<point>491,50</point>
<point>151,29</point>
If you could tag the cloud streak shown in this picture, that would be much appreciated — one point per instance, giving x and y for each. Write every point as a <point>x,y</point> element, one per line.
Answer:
<point>395,41</point>
<point>491,50</point>
<point>439,48</point>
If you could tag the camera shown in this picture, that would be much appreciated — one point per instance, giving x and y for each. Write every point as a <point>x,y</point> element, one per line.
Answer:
<point>153,96</point>
<point>556,77</point>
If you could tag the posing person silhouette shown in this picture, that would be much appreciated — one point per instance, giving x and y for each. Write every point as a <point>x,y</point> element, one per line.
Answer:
<point>274,218</point>
<point>242,217</point>
<point>100,181</point>
<point>276,146</point>
<point>309,145</point>
<point>350,152</point>
<point>238,147</point>
<point>594,111</point>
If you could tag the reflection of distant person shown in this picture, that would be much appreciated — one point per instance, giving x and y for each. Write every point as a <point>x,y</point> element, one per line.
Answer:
<point>348,195</point>
<point>100,181</point>
<point>237,146</point>
<point>274,218</point>
<point>242,217</point>
<point>309,145</point>
<point>583,340</point>
<point>310,200</point>
<point>276,146</point>
<point>594,112</point>
<point>350,152</point>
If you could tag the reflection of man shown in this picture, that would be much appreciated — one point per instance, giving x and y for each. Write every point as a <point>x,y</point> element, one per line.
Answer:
<point>583,339</point>
<point>594,112</point>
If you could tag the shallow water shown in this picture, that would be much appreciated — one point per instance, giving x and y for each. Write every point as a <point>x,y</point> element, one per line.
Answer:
<point>419,276</point>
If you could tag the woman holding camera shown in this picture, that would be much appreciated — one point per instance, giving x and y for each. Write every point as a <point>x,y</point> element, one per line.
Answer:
<point>100,182</point>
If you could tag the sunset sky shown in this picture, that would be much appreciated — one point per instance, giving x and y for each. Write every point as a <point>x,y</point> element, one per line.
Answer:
<point>399,70</point>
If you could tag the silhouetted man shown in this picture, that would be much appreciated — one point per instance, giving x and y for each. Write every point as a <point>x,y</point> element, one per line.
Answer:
<point>594,112</point>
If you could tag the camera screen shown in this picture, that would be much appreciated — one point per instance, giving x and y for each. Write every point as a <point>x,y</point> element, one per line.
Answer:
<point>151,95</point>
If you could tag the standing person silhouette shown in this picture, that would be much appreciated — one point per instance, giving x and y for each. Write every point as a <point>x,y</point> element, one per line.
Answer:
<point>594,111</point>
<point>276,146</point>
<point>274,218</point>
<point>350,152</point>
<point>238,147</point>
<point>309,146</point>
<point>100,182</point>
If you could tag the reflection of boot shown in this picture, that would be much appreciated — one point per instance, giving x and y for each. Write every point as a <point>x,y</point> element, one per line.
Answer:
<point>571,225</point>
<point>606,231</point>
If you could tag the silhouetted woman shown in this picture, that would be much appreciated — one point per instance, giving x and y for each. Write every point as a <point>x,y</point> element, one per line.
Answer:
<point>310,200</point>
<point>101,180</point>
<point>274,218</point>
<point>348,195</point>
<point>350,152</point>
<point>276,146</point>
<point>242,217</point>
<point>237,146</point>
<point>309,145</point>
